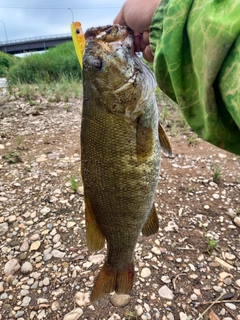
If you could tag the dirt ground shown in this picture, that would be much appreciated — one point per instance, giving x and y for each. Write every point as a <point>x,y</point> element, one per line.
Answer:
<point>194,258</point>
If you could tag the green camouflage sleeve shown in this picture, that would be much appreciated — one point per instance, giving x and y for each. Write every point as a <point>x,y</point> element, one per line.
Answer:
<point>196,46</point>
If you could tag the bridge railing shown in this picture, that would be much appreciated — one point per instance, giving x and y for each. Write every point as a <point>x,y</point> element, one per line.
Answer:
<point>54,36</point>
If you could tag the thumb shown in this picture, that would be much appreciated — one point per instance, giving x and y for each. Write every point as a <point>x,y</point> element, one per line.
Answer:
<point>120,18</point>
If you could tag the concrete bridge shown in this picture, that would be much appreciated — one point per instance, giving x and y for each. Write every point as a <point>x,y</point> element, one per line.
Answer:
<point>33,44</point>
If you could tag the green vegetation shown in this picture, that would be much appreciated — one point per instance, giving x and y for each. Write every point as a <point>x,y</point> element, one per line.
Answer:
<point>216,175</point>
<point>74,184</point>
<point>6,61</point>
<point>12,157</point>
<point>52,65</point>
<point>212,245</point>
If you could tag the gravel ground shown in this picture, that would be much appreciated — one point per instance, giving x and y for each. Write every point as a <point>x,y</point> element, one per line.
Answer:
<point>191,265</point>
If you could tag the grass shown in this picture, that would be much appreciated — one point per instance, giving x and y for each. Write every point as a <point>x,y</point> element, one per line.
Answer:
<point>12,157</point>
<point>62,90</point>
<point>52,65</point>
<point>216,173</point>
<point>212,245</point>
<point>74,184</point>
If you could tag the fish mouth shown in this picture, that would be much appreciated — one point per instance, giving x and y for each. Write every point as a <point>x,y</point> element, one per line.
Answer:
<point>111,34</point>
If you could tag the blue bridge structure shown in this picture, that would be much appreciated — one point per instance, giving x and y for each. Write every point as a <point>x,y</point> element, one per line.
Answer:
<point>33,44</point>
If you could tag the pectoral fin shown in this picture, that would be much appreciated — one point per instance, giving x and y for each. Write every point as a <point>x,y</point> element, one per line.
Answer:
<point>95,238</point>
<point>164,141</point>
<point>151,225</point>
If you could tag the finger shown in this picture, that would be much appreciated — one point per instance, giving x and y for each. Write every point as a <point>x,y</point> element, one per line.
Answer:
<point>120,18</point>
<point>144,40</point>
<point>137,42</point>
<point>147,54</point>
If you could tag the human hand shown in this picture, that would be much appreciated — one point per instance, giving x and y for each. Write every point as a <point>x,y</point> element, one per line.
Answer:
<point>137,15</point>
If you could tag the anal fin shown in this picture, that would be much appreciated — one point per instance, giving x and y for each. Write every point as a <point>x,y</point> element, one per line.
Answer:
<point>151,226</point>
<point>95,237</point>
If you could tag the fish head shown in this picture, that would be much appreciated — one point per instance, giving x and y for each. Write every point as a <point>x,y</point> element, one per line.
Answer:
<point>111,67</point>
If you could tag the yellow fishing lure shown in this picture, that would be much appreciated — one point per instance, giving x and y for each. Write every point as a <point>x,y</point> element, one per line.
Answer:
<point>78,40</point>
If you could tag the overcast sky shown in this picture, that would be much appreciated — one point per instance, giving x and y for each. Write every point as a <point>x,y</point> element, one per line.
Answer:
<point>32,18</point>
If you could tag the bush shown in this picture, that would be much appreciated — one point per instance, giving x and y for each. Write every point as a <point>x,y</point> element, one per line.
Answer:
<point>6,61</point>
<point>49,66</point>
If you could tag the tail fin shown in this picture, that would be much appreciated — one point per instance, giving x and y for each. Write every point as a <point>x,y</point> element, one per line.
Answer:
<point>111,279</point>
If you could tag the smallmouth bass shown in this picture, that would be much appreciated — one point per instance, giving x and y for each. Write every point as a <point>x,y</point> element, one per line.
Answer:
<point>120,153</point>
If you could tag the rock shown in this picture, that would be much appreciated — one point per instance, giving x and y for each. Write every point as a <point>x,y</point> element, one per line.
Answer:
<point>115,317</point>
<point>3,228</point>
<point>56,238</point>
<point>58,254</point>
<point>26,267</point>
<point>165,279</point>
<point>45,210</point>
<point>82,298</point>
<point>138,310</point>
<point>120,300</point>
<point>166,293</point>
<point>34,237</point>
<point>74,314</point>
<point>97,258</point>
<point>230,306</point>
<point>11,267</point>
<point>19,314</point>
<point>237,221</point>
<point>229,256</point>
<point>172,226</point>
<point>146,272</point>
<point>24,247</point>
<point>35,245</point>
<point>1,287</point>
<point>156,250</point>
<point>71,224</point>
<point>26,301</point>
<point>183,316</point>
<point>238,282</point>
<point>56,305</point>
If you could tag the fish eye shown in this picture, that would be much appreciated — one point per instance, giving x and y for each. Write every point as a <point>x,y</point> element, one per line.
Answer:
<point>98,64</point>
<point>78,31</point>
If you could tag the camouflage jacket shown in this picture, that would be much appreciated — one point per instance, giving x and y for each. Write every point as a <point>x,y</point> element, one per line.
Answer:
<point>196,46</point>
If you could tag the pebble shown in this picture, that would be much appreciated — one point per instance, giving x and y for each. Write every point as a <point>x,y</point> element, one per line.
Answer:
<point>115,316</point>
<point>98,258</point>
<point>236,220</point>
<point>238,282</point>
<point>26,267</point>
<point>3,228</point>
<point>11,267</point>
<point>58,254</point>
<point>166,293</point>
<point>45,210</point>
<point>166,279</point>
<point>138,310</point>
<point>120,300</point>
<point>230,306</point>
<point>82,298</point>
<point>145,273</point>
<point>25,302</point>
<point>183,316</point>
<point>56,305</point>
<point>35,245</point>
<point>74,314</point>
